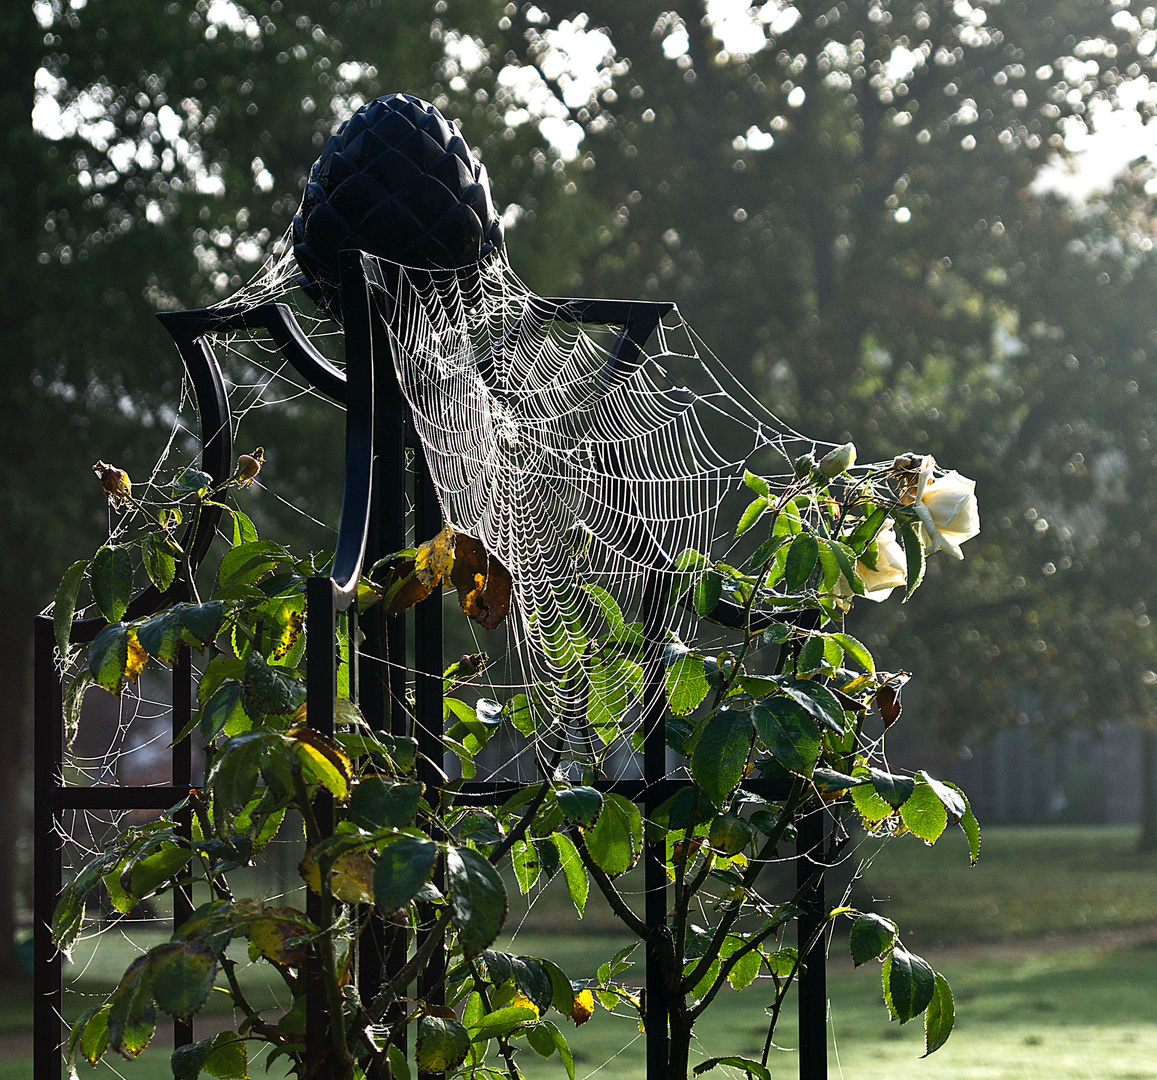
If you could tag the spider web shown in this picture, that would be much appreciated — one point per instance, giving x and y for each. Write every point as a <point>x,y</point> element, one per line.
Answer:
<point>585,476</point>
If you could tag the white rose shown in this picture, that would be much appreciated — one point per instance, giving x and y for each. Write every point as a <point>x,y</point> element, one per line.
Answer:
<point>946,507</point>
<point>891,566</point>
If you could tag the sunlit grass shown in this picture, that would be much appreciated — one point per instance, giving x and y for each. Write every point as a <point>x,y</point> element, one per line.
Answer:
<point>1074,1007</point>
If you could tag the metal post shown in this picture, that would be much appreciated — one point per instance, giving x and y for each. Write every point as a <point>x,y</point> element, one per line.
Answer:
<point>655,853</point>
<point>428,668</point>
<point>47,1003</point>
<point>321,679</point>
<point>182,777</point>
<point>813,990</point>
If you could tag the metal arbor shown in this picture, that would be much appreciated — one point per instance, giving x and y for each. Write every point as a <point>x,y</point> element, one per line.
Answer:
<point>373,523</point>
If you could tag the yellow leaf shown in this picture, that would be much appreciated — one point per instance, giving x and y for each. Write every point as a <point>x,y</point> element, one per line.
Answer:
<point>351,877</point>
<point>136,657</point>
<point>273,928</point>
<point>323,761</point>
<point>435,558</point>
<point>584,1007</point>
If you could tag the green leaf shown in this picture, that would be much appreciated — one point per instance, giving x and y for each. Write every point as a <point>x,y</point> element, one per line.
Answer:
<point>404,866</point>
<point>202,622</point>
<point>939,1018</point>
<point>686,684</point>
<point>269,691</point>
<point>223,1056</point>
<point>502,1021</point>
<point>520,714</point>
<point>524,860</point>
<point>789,732</point>
<point>811,656</point>
<point>150,873</point>
<point>752,1068</point>
<point>913,553</point>
<point>607,700</point>
<point>729,834</point>
<point>609,607</point>
<point>577,882</point>
<point>94,1035</point>
<point>244,531</point>
<point>909,984</point>
<point>223,712</point>
<point>845,559</point>
<point>182,976</point>
<point>757,484</point>
<point>64,606</point>
<point>192,481</point>
<point>132,1017</point>
<point>377,802</point>
<point>160,636</point>
<point>924,813</point>
<point>540,1041</point>
<point>801,561</point>
<point>746,969</point>
<point>247,563</point>
<point>111,578</point>
<point>533,979</point>
<point>721,753</point>
<point>856,650</point>
<point>159,562</point>
<point>776,633</point>
<point>707,593</point>
<point>817,700</point>
<point>442,1044</point>
<point>871,936</point>
<point>869,805</point>
<point>616,841</point>
<point>477,899</point>
<point>951,796</point>
<point>580,805</point>
<point>864,533</point>
<point>235,773</point>
<point>755,510</point>
<point>763,554</point>
<point>399,1066</point>
<point>894,790</point>
<point>970,826</point>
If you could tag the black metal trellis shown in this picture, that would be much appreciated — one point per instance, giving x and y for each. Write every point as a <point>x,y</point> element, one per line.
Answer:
<point>379,437</point>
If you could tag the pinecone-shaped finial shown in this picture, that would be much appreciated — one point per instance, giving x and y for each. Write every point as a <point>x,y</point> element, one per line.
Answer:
<point>397,181</point>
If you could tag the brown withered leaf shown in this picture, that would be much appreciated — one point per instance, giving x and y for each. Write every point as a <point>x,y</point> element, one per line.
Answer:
<point>483,583</point>
<point>888,702</point>
<point>435,558</point>
<point>401,586</point>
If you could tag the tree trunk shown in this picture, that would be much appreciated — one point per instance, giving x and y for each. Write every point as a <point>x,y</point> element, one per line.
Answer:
<point>1148,840</point>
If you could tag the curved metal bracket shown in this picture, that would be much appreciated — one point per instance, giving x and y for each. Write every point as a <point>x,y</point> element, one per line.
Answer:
<point>188,329</point>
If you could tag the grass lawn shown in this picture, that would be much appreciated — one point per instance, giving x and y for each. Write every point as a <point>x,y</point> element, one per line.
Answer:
<point>1080,1003</point>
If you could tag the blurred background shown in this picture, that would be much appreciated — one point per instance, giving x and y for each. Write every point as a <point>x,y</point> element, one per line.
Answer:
<point>921,226</point>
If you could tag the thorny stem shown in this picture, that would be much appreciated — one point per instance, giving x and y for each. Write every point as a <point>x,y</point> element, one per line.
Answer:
<point>754,943</point>
<point>607,888</point>
<point>728,920</point>
<point>781,993</point>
